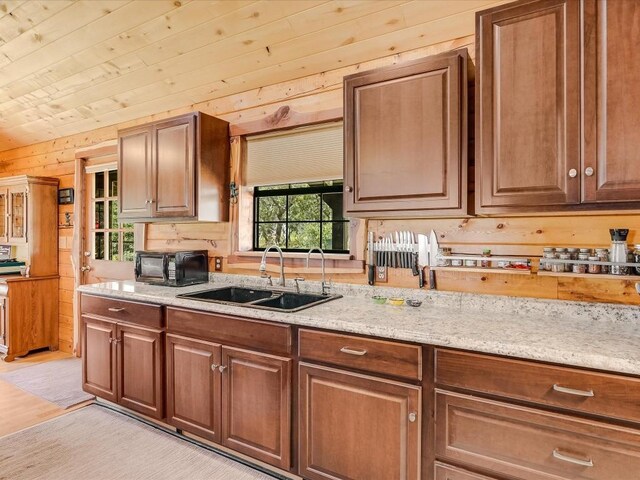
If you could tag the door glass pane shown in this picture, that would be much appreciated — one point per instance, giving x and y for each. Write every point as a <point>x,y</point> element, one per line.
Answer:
<point>113,214</point>
<point>114,242</point>
<point>99,183</point>
<point>113,183</point>
<point>98,246</point>
<point>99,215</point>
<point>3,209</point>
<point>127,247</point>
<point>17,214</point>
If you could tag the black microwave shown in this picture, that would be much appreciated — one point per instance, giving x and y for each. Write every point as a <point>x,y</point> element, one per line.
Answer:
<point>172,269</point>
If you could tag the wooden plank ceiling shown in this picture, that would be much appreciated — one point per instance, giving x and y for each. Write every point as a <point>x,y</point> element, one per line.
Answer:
<point>69,66</point>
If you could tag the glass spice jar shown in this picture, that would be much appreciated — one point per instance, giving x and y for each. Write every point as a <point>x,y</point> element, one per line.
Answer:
<point>456,262</point>
<point>470,263</point>
<point>547,265</point>
<point>579,268</point>
<point>636,257</point>
<point>603,256</point>
<point>485,254</point>
<point>588,251</point>
<point>567,266</point>
<point>573,252</point>
<point>443,252</point>
<point>595,268</point>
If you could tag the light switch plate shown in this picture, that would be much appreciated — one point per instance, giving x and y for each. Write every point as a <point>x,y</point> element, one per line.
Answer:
<point>218,264</point>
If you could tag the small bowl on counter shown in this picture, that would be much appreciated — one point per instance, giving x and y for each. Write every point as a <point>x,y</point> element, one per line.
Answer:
<point>379,299</point>
<point>412,302</point>
<point>396,301</point>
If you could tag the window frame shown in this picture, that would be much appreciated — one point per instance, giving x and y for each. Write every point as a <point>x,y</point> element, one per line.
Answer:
<point>287,192</point>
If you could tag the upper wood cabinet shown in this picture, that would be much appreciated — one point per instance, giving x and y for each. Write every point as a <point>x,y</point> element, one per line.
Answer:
<point>175,169</point>
<point>540,146</point>
<point>611,101</point>
<point>528,105</point>
<point>405,133</point>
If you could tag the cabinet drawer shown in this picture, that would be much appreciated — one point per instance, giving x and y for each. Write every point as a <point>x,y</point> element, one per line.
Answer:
<point>598,393</point>
<point>376,356</point>
<point>271,337</point>
<point>530,444</point>
<point>144,314</point>
<point>446,472</point>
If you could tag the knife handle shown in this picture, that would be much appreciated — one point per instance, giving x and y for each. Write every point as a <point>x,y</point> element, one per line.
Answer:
<point>371,274</point>
<point>414,265</point>
<point>432,279</point>
<point>420,277</point>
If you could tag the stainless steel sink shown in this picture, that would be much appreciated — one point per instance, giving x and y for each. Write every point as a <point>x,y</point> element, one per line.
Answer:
<point>259,298</point>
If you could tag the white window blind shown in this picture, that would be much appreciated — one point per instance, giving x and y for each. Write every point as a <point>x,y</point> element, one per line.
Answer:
<point>307,154</point>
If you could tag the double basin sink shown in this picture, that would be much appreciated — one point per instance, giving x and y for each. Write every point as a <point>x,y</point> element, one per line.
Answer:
<point>260,298</point>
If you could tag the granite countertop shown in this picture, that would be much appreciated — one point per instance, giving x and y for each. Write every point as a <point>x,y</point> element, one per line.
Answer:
<point>599,336</point>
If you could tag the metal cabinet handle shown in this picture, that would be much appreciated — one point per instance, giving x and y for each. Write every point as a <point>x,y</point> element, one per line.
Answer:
<point>588,171</point>
<point>222,368</point>
<point>116,309</point>
<point>114,340</point>
<point>351,351</point>
<point>214,366</point>
<point>573,391</point>
<point>573,173</point>
<point>413,416</point>
<point>348,189</point>
<point>569,459</point>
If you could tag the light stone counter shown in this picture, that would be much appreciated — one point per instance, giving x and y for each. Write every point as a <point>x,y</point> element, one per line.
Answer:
<point>600,336</point>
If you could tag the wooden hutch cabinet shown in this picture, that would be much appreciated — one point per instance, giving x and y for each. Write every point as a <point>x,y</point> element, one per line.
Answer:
<point>175,169</point>
<point>405,133</point>
<point>28,217</point>
<point>540,146</point>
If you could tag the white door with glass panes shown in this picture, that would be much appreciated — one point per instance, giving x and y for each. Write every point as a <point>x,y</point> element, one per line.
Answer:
<point>108,244</point>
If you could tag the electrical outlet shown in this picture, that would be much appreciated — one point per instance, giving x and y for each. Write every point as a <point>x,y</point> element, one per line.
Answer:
<point>381,274</point>
<point>218,264</point>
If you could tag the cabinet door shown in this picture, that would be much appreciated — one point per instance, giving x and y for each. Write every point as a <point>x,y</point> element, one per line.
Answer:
<point>99,359</point>
<point>405,138</point>
<point>193,386</point>
<point>611,101</point>
<point>173,168</point>
<point>447,472</point>
<point>3,322</point>
<point>357,426</point>
<point>17,219</point>
<point>528,106</point>
<point>141,370</point>
<point>4,215</point>
<point>256,405</point>
<point>134,173</point>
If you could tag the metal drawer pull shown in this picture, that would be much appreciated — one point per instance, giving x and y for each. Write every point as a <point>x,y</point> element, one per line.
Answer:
<point>575,461</point>
<point>573,391</point>
<point>222,368</point>
<point>116,310</point>
<point>351,351</point>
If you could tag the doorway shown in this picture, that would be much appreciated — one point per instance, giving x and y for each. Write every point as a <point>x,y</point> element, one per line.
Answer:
<point>103,248</point>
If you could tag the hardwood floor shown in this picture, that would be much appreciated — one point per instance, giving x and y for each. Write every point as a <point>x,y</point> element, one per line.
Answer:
<point>19,409</point>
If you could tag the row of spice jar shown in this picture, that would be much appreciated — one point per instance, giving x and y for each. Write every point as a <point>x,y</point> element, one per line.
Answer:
<point>585,254</point>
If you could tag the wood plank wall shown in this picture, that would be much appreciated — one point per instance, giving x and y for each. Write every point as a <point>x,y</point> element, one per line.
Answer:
<point>315,98</point>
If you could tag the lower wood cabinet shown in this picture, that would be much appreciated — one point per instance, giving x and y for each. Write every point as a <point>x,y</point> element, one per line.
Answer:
<point>355,426</point>
<point>124,364</point>
<point>193,386</point>
<point>530,444</point>
<point>239,398</point>
<point>99,358</point>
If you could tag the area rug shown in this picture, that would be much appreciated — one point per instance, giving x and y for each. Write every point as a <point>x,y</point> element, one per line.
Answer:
<point>59,382</point>
<point>99,444</point>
